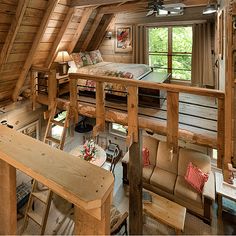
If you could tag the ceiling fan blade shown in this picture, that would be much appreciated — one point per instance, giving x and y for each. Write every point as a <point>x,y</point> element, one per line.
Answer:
<point>150,12</point>
<point>173,9</point>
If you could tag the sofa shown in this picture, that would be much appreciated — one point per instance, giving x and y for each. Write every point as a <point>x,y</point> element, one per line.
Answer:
<point>166,176</point>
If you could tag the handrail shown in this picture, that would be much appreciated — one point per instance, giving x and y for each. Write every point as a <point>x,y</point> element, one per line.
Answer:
<point>151,85</point>
<point>85,185</point>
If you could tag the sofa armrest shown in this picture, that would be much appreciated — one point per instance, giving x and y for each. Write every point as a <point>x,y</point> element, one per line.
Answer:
<point>209,187</point>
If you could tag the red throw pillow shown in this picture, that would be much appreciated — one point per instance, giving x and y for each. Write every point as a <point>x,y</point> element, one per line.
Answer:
<point>145,154</point>
<point>195,177</point>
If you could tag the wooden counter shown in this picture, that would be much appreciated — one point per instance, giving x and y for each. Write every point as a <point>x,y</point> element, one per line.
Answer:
<point>85,185</point>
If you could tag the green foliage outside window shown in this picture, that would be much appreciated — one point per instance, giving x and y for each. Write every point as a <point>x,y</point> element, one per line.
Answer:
<point>179,51</point>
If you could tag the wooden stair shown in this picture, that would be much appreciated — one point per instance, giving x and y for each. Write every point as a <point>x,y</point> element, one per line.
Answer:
<point>44,195</point>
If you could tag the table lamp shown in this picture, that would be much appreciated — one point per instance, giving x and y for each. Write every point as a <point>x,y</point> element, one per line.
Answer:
<point>62,58</point>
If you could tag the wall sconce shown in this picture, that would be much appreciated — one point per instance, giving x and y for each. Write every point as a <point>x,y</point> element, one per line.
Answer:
<point>62,58</point>
<point>210,8</point>
<point>108,35</point>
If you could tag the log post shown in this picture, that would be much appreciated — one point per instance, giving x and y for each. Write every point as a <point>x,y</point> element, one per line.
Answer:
<point>85,224</point>
<point>74,98</point>
<point>34,88</point>
<point>220,132</point>
<point>8,222</point>
<point>52,89</point>
<point>172,120</point>
<point>100,109</point>
<point>135,165</point>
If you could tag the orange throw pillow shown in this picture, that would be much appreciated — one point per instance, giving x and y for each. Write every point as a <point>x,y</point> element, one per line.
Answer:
<point>195,177</point>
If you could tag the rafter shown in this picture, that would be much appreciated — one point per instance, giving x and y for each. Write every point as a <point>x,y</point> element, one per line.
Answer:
<point>59,37</point>
<point>89,3</point>
<point>96,22</point>
<point>14,28</point>
<point>102,32</point>
<point>49,10</point>
<point>85,17</point>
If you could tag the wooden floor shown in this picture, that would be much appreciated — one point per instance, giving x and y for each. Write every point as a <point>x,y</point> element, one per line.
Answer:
<point>196,113</point>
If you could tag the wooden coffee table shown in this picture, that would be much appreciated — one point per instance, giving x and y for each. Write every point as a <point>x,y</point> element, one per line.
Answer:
<point>166,211</point>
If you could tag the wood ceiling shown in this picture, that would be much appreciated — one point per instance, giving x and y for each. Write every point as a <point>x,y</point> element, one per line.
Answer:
<point>33,31</point>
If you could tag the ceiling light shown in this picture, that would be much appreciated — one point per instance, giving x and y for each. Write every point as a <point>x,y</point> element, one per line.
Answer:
<point>210,8</point>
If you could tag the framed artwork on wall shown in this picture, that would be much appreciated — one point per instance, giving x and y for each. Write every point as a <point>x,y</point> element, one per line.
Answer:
<point>123,41</point>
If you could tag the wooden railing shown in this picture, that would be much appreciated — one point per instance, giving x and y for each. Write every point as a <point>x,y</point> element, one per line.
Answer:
<point>134,122</point>
<point>85,185</point>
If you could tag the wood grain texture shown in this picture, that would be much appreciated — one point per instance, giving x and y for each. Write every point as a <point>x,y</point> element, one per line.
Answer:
<point>172,120</point>
<point>8,223</point>
<point>45,21</point>
<point>15,25</point>
<point>135,189</point>
<point>47,165</point>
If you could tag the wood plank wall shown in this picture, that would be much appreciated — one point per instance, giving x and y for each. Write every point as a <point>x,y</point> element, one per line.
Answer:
<point>135,18</point>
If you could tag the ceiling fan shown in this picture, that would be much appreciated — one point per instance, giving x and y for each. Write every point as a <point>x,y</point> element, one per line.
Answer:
<point>157,6</point>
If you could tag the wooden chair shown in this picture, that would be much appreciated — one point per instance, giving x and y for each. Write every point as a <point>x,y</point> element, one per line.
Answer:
<point>110,165</point>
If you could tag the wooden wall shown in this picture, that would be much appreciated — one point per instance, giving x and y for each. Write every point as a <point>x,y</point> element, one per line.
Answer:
<point>136,18</point>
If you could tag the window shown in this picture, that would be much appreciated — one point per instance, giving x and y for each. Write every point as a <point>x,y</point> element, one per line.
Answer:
<point>117,129</point>
<point>170,50</point>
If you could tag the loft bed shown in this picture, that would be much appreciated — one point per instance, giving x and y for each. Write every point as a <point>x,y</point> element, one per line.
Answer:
<point>118,92</point>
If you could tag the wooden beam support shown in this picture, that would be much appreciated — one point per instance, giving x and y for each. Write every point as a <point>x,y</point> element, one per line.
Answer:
<point>221,133</point>
<point>100,109</point>
<point>34,88</point>
<point>172,120</point>
<point>99,38</point>
<point>49,11</point>
<point>15,25</point>
<point>229,74</point>
<point>85,17</point>
<point>88,3</point>
<point>8,222</point>
<point>74,98</point>
<point>135,189</point>
<point>135,165</point>
<point>96,22</point>
<point>59,37</point>
<point>52,89</point>
<point>88,225</point>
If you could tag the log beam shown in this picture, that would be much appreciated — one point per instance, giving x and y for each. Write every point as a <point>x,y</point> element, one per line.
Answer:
<point>88,3</point>
<point>172,120</point>
<point>59,37</point>
<point>95,24</point>
<point>11,35</point>
<point>8,222</point>
<point>85,17</point>
<point>50,8</point>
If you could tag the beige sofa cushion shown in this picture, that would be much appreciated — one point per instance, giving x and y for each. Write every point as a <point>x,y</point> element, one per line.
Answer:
<point>164,159</point>
<point>163,179</point>
<point>147,172</point>
<point>198,159</point>
<point>186,191</point>
<point>151,144</point>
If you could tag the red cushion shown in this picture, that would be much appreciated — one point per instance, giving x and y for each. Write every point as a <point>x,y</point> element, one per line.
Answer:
<point>195,177</point>
<point>145,152</point>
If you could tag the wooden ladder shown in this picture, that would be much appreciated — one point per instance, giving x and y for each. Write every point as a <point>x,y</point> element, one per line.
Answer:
<point>44,195</point>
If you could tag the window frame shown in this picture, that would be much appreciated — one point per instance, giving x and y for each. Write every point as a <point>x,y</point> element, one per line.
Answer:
<point>170,52</point>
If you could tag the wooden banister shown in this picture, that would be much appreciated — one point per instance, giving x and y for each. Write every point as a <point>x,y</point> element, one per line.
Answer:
<point>151,85</point>
<point>85,185</point>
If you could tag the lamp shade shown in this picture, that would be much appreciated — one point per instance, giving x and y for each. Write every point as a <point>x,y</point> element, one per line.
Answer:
<point>63,56</point>
<point>209,9</point>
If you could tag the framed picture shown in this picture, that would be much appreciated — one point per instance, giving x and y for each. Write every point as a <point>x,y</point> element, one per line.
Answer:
<point>123,41</point>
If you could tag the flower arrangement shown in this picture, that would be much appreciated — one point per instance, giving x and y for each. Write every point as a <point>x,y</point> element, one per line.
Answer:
<point>89,150</point>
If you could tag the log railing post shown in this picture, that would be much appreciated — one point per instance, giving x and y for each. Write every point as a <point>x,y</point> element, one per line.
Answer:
<point>172,120</point>
<point>34,88</point>
<point>220,132</point>
<point>74,98</point>
<point>52,89</point>
<point>100,109</point>
<point>8,222</point>
<point>135,165</point>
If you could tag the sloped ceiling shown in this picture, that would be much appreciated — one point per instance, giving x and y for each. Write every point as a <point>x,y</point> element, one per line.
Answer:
<point>33,31</point>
